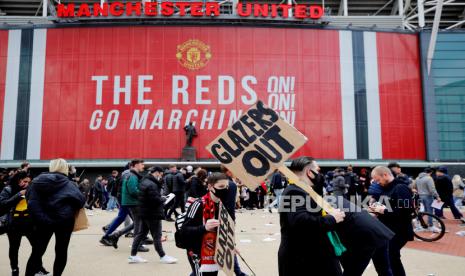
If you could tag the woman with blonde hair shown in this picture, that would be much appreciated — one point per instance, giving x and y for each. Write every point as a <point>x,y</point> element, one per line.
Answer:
<point>458,190</point>
<point>53,202</point>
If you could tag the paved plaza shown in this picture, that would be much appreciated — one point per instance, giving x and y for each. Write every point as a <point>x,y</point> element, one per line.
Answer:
<point>257,236</point>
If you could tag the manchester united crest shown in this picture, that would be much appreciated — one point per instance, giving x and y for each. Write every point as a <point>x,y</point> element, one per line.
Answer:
<point>193,54</point>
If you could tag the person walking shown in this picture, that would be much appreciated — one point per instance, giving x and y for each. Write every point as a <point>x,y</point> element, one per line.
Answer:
<point>398,217</point>
<point>130,199</point>
<point>12,201</point>
<point>150,215</point>
<point>175,182</point>
<point>340,188</point>
<point>424,185</point>
<point>112,189</point>
<point>458,193</point>
<point>277,186</point>
<point>53,202</point>
<point>305,244</point>
<point>199,229</point>
<point>445,189</point>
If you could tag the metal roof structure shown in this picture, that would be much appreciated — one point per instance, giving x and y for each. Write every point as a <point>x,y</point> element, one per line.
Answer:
<point>388,14</point>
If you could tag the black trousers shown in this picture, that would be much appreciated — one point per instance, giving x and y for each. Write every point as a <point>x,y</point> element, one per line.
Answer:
<point>356,261</point>
<point>42,236</point>
<point>178,202</point>
<point>395,245</point>
<point>382,262</point>
<point>146,225</point>
<point>100,198</point>
<point>15,236</point>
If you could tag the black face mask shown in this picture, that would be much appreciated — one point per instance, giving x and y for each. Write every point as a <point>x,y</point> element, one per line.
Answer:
<point>222,194</point>
<point>318,182</point>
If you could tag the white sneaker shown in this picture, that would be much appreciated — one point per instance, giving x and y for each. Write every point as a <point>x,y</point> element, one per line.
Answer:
<point>136,260</point>
<point>434,229</point>
<point>419,229</point>
<point>168,260</point>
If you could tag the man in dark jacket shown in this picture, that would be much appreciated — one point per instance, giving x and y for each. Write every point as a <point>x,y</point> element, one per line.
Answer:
<point>151,213</point>
<point>351,179</point>
<point>53,202</point>
<point>176,185</point>
<point>97,191</point>
<point>277,186</point>
<point>305,245</point>
<point>445,190</point>
<point>396,213</point>
<point>198,186</point>
<point>112,189</point>
<point>397,173</point>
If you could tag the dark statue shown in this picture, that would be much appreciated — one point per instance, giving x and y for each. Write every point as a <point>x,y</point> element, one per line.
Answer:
<point>191,132</point>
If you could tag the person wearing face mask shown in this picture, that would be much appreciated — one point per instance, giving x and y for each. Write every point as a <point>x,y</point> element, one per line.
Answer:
<point>150,210</point>
<point>12,199</point>
<point>305,229</point>
<point>198,231</point>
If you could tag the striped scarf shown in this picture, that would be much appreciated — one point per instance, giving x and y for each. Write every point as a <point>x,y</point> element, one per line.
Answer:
<point>207,254</point>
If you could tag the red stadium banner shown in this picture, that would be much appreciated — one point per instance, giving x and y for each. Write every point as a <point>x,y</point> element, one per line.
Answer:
<point>124,92</point>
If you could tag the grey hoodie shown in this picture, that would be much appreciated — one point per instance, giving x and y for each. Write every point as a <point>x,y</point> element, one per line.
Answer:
<point>425,185</point>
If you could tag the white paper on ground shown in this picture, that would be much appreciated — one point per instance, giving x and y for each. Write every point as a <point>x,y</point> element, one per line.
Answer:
<point>269,240</point>
<point>437,204</point>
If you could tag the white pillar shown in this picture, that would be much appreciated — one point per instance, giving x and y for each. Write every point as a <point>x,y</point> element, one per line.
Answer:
<point>346,7</point>
<point>401,7</point>
<point>44,8</point>
<point>434,34</point>
<point>421,14</point>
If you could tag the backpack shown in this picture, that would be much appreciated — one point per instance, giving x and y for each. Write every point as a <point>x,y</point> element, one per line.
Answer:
<point>182,241</point>
<point>178,238</point>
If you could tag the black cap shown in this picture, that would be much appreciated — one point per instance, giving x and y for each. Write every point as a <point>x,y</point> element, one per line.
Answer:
<point>393,165</point>
<point>155,169</point>
<point>442,169</point>
<point>428,170</point>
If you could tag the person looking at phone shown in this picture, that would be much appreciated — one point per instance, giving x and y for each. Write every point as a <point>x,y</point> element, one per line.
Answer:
<point>395,214</point>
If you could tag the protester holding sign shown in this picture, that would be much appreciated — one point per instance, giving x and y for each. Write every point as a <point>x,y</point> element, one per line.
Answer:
<point>199,230</point>
<point>306,240</point>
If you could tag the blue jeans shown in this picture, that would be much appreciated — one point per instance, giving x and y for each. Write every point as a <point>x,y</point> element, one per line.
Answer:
<point>276,202</point>
<point>122,214</point>
<point>427,200</point>
<point>111,203</point>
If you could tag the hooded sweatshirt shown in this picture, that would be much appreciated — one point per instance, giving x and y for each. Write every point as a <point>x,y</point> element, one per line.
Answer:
<point>425,185</point>
<point>53,200</point>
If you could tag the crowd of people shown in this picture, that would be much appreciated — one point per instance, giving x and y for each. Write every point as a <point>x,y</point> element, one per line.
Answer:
<point>38,210</point>
<point>341,241</point>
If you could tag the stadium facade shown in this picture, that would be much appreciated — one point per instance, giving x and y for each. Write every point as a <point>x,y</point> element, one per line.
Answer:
<point>99,90</point>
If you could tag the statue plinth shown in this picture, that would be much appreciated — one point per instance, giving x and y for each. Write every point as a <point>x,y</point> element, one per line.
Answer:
<point>189,154</point>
